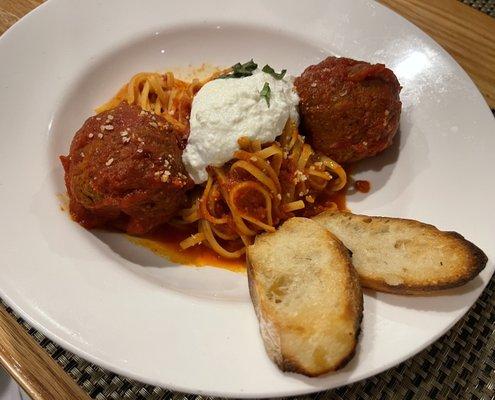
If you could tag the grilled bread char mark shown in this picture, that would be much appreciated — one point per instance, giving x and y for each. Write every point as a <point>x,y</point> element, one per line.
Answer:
<point>404,256</point>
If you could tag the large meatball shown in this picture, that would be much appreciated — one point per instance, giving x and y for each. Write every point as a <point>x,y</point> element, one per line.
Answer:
<point>349,109</point>
<point>125,170</point>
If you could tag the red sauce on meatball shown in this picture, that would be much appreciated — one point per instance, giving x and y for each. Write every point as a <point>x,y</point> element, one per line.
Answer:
<point>125,170</point>
<point>349,109</point>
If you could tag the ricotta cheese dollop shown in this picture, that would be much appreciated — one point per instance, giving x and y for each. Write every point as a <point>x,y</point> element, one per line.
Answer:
<point>226,109</point>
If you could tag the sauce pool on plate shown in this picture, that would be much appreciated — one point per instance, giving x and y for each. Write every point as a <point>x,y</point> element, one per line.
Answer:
<point>362,186</point>
<point>165,242</point>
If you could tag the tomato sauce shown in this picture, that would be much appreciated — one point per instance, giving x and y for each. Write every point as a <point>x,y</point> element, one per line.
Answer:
<point>339,198</point>
<point>165,242</point>
<point>362,186</point>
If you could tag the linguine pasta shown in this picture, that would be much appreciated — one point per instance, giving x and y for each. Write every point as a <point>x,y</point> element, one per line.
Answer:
<point>263,185</point>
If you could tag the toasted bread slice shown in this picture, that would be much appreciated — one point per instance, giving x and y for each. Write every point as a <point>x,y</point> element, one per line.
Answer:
<point>307,297</point>
<point>404,256</point>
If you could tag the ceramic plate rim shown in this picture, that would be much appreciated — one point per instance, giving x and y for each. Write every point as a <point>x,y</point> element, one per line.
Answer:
<point>32,316</point>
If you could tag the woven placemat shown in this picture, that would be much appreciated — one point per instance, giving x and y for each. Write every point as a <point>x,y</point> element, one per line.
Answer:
<point>460,365</point>
<point>486,6</point>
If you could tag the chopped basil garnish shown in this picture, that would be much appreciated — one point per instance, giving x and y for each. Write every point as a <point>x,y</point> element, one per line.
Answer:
<point>241,70</point>
<point>269,70</point>
<point>265,93</point>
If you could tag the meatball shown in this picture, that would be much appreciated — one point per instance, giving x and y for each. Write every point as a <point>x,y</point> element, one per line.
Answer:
<point>349,109</point>
<point>125,170</point>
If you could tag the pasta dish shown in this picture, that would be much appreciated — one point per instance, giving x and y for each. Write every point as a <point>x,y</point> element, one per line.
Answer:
<point>225,175</point>
<point>264,184</point>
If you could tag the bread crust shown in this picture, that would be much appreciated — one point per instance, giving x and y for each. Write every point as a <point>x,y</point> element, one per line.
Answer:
<point>472,259</point>
<point>273,329</point>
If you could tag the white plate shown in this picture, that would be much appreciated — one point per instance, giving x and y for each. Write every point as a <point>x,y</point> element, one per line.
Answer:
<point>190,329</point>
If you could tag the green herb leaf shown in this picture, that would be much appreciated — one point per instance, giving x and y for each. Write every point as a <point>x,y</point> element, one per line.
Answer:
<point>241,70</point>
<point>265,93</point>
<point>269,70</point>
